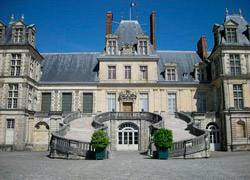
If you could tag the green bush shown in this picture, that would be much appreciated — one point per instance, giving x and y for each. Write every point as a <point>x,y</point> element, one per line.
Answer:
<point>99,140</point>
<point>163,139</point>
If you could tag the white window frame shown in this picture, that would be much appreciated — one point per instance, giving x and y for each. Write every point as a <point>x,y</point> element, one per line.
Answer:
<point>18,35</point>
<point>143,72</point>
<point>111,72</point>
<point>127,72</point>
<point>172,102</point>
<point>13,96</point>
<point>15,67</point>
<point>238,96</point>
<point>111,102</point>
<point>235,66</point>
<point>144,102</point>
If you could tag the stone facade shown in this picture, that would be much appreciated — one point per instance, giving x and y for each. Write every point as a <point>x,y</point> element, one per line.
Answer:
<point>137,77</point>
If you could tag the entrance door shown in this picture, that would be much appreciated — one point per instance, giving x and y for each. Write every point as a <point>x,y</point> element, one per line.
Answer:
<point>127,106</point>
<point>127,137</point>
<point>214,138</point>
<point>10,131</point>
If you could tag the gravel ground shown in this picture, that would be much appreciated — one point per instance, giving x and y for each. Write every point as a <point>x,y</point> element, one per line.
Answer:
<point>124,165</point>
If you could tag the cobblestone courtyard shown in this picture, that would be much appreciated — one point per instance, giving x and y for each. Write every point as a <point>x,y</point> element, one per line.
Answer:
<point>124,165</point>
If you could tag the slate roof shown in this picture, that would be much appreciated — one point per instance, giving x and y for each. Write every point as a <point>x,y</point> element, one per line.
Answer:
<point>127,32</point>
<point>185,61</point>
<point>83,67</point>
<point>69,68</point>
<point>242,28</point>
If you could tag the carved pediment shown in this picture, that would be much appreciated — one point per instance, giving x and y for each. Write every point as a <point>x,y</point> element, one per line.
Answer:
<point>142,36</point>
<point>19,23</point>
<point>127,95</point>
<point>170,64</point>
<point>230,23</point>
<point>111,36</point>
<point>127,49</point>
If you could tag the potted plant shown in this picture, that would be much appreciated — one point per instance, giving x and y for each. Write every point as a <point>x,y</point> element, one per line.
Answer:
<point>99,142</point>
<point>163,139</point>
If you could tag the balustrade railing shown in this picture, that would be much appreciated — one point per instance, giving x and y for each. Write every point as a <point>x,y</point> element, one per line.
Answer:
<point>61,146</point>
<point>189,146</point>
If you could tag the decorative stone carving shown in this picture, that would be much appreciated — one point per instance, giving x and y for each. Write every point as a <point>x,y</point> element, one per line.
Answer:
<point>127,49</point>
<point>127,95</point>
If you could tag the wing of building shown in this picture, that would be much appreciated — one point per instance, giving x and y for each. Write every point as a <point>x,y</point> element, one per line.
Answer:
<point>38,90</point>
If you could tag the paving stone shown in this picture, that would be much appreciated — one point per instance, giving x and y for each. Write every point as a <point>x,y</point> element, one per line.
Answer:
<point>124,165</point>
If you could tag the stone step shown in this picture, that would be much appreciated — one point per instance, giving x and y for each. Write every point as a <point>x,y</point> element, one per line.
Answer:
<point>178,128</point>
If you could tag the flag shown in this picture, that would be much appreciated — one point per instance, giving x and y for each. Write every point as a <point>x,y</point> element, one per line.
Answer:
<point>132,4</point>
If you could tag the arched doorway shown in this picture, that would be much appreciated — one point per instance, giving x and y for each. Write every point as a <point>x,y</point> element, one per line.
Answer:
<point>214,137</point>
<point>128,137</point>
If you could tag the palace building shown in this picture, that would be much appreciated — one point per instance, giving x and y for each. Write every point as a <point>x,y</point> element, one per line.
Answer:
<point>37,91</point>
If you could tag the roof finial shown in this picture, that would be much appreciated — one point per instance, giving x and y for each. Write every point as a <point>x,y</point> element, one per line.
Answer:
<point>240,12</point>
<point>122,14</point>
<point>12,17</point>
<point>136,15</point>
<point>226,12</point>
<point>22,17</point>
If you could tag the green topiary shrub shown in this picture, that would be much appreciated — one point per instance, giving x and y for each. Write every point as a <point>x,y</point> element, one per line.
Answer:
<point>163,139</point>
<point>99,140</point>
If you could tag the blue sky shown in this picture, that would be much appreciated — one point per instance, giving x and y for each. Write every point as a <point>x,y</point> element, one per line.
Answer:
<point>79,25</point>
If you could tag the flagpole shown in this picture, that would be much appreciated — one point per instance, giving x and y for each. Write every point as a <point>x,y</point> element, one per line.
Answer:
<point>130,12</point>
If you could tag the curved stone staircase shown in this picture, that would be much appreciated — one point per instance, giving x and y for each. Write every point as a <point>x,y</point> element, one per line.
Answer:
<point>74,137</point>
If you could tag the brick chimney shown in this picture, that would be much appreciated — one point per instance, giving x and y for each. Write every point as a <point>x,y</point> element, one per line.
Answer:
<point>202,48</point>
<point>109,19</point>
<point>152,29</point>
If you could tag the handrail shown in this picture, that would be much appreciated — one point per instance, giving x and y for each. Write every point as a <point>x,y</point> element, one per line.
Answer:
<point>155,119</point>
<point>65,146</point>
<point>189,146</point>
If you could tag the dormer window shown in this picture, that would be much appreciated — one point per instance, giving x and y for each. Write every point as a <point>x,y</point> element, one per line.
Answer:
<point>231,35</point>
<point>2,32</point>
<point>142,45</point>
<point>18,36</point>
<point>32,38</point>
<point>171,72</point>
<point>111,44</point>
<point>200,71</point>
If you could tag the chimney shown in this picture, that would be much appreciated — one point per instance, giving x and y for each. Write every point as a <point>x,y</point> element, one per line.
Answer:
<point>202,48</point>
<point>152,29</point>
<point>109,19</point>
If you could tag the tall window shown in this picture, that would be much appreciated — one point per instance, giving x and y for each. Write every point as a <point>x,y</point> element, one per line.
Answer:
<point>127,72</point>
<point>235,64</point>
<point>12,96</point>
<point>87,103</point>
<point>46,102</point>
<point>15,65</point>
<point>32,63</point>
<point>202,103</point>
<point>171,103</point>
<point>18,35</point>
<point>1,34</point>
<point>201,74</point>
<point>112,47</point>
<point>171,74</point>
<point>143,47</point>
<point>231,35</point>
<point>111,102</point>
<point>144,102</point>
<point>238,96</point>
<point>144,72</point>
<point>66,101</point>
<point>111,72</point>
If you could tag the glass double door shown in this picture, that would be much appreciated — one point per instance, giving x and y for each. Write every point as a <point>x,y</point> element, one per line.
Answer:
<point>128,139</point>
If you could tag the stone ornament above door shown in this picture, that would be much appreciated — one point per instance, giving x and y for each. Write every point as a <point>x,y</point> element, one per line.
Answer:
<point>127,95</point>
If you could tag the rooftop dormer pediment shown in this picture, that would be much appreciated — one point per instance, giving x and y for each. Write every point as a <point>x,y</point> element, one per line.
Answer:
<point>2,24</point>
<point>112,36</point>
<point>32,27</point>
<point>142,36</point>
<point>19,23</point>
<point>230,23</point>
<point>127,49</point>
